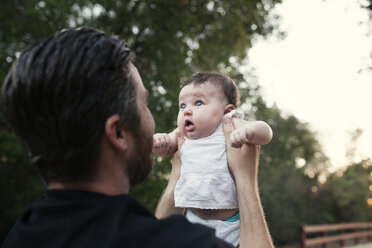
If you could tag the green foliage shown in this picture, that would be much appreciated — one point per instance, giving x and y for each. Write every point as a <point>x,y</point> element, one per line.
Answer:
<point>172,40</point>
<point>346,193</point>
<point>368,5</point>
<point>284,185</point>
<point>20,183</point>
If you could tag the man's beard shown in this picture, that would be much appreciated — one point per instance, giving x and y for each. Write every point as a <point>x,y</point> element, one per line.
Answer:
<point>140,162</point>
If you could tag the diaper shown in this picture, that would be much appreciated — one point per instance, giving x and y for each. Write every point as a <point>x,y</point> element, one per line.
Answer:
<point>228,230</point>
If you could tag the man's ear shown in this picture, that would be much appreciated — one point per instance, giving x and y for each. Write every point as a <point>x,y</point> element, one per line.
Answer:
<point>116,135</point>
<point>228,108</point>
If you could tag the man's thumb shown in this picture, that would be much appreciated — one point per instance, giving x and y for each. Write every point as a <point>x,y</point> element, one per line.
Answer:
<point>180,140</point>
<point>228,127</point>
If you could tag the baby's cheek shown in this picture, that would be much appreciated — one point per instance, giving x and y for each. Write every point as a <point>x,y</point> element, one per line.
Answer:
<point>179,121</point>
<point>216,111</point>
<point>180,124</point>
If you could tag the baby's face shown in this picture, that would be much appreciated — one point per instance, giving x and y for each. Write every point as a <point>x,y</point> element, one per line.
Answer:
<point>201,109</point>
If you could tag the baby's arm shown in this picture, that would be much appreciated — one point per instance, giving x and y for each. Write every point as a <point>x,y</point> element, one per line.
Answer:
<point>253,132</point>
<point>165,144</point>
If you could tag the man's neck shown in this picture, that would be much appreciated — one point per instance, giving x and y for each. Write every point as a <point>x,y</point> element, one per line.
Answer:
<point>113,187</point>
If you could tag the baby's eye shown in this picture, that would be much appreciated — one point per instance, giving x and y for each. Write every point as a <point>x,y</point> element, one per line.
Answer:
<point>198,103</point>
<point>182,106</point>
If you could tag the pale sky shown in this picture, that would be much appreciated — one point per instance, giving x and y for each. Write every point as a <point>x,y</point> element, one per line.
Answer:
<point>319,71</point>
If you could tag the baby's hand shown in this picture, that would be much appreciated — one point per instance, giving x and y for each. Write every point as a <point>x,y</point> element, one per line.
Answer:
<point>241,136</point>
<point>162,144</point>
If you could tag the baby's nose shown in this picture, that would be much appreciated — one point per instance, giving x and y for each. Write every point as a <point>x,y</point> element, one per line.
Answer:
<point>187,111</point>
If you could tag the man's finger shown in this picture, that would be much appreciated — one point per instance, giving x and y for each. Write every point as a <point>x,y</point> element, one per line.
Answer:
<point>228,127</point>
<point>176,160</point>
<point>180,140</point>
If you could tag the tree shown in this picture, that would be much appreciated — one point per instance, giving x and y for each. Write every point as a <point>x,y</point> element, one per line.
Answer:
<point>289,167</point>
<point>345,195</point>
<point>172,40</point>
<point>368,6</point>
<point>21,23</point>
<point>20,184</point>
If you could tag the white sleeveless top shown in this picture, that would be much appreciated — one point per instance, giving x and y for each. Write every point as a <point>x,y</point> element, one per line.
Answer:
<point>205,180</point>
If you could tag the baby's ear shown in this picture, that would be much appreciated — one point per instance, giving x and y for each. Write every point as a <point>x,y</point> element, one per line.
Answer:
<point>228,108</point>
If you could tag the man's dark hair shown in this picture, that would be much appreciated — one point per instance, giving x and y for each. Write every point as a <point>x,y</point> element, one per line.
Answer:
<point>59,94</point>
<point>226,84</point>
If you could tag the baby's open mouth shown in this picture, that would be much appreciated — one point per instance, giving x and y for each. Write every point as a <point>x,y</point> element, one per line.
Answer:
<point>189,126</point>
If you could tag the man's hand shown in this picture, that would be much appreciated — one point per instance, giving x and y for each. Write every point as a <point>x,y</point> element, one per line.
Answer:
<point>176,160</point>
<point>242,161</point>
<point>166,205</point>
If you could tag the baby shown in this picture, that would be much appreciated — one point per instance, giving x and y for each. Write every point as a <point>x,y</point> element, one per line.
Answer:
<point>206,186</point>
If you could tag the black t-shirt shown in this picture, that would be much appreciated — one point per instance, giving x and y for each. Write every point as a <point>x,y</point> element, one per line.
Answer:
<point>85,219</point>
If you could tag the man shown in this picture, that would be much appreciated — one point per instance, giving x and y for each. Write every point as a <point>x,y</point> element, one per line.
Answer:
<point>79,104</point>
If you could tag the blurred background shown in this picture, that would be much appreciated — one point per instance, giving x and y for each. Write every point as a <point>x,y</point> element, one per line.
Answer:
<point>304,67</point>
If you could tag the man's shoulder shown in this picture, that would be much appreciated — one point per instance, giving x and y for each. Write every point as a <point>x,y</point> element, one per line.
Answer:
<point>113,222</point>
<point>141,229</point>
<point>175,231</point>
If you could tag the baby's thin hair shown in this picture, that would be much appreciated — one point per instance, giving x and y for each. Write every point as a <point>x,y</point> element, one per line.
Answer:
<point>227,85</point>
